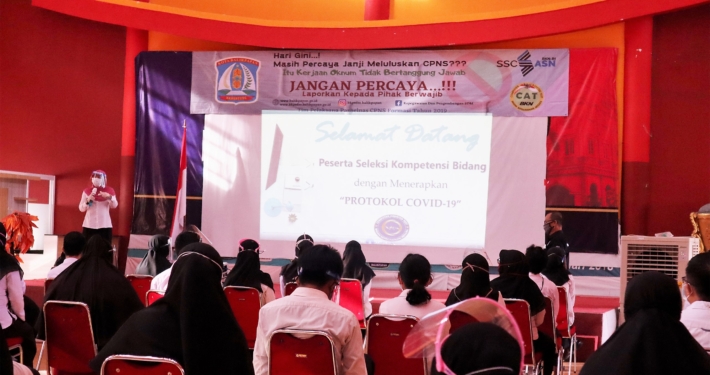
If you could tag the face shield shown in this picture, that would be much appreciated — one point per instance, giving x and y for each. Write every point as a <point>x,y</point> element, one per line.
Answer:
<point>427,337</point>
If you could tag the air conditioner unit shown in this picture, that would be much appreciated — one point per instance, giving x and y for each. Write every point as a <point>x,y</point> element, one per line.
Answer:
<point>669,255</point>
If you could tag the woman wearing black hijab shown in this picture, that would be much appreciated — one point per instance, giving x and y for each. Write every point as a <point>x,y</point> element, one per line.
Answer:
<point>192,324</point>
<point>156,261</point>
<point>247,272</point>
<point>95,281</point>
<point>481,349</point>
<point>652,340</point>
<point>514,282</point>
<point>289,272</point>
<point>475,282</point>
<point>253,246</point>
<point>355,267</point>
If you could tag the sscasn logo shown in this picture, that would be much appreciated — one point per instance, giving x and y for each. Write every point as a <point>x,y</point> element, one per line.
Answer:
<point>526,64</point>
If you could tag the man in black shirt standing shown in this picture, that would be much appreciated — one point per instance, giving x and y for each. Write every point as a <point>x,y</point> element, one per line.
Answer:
<point>554,235</point>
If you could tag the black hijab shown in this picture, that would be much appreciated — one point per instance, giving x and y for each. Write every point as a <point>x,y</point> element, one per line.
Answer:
<point>355,265</point>
<point>475,281</point>
<point>481,348</point>
<point>193,324</point>
<point>652,340</point>
<point>8,263</point>
<point>514,281</point>
<point>95,281</point>
<point>289,272</point>
<point>253,246</point>
<point>156,261</point>
<point>246,271</point>
<point>556,270</point>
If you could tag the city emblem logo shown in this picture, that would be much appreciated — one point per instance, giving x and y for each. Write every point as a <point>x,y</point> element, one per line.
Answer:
<point>237,80</point>
<point>391,227</point>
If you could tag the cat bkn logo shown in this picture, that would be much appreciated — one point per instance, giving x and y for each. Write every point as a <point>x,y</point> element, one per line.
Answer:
<point>237,80</point>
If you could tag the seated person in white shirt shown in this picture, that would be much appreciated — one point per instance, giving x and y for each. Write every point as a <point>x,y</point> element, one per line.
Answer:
<point>414,276</point>
<point>247,272</point>
<point>160,281</point>
<point>557,272</point>
<point>696,288</point>
<point>12,304</point>
<point>537,261</point>
<point>310,307</point>
<point>73,245</point>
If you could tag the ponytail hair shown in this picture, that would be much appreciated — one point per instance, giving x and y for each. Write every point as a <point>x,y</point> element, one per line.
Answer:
<point>415,272</point>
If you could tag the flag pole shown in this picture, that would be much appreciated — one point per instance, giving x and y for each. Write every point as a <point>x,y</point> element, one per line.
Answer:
<point>180,210</point>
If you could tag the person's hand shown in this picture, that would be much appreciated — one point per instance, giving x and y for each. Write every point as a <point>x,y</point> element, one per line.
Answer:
<point>105,195</point>
<point>91,197</point>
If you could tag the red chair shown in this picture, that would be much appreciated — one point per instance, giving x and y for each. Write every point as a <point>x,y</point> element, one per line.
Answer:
<point>291,355</point>
<point>141,284</point>
<point>458,319</point>
<point>520,309</point>
<point>47,284</point>
<point>245,303</point>
<point>138,365</point>
<point>384,339</point>
<point>152,296</point>
<point>567,331</point>
<point>290,287</point>
<point>15,343</point>
<point>349,295</point>
<point>69,337</point>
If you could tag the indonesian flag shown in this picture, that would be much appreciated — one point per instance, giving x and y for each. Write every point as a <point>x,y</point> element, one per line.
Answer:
<point>181,196</point>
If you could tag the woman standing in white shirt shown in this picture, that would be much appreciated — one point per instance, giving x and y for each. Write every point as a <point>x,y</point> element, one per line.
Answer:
<point>12,304</point>
<point>96,200</point>
<point>414,276</point>
<point>355,267</point>
<point>247,272</point>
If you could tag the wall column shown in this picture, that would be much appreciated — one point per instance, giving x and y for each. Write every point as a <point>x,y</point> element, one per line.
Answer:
<point>637,126</point>
<point>136,41</point>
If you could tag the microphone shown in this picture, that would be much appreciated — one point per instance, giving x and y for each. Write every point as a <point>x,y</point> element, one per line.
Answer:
<point>91,202</point>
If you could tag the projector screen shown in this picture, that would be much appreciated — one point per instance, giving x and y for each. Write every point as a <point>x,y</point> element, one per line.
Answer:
<point>442,185</point>
<point>393,179</point>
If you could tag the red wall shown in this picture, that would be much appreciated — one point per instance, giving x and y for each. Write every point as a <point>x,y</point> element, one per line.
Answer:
<point>61,95</point>
<point>680,119</point>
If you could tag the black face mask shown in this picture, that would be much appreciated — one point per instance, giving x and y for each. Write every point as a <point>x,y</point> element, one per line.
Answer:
<point>548,228</point>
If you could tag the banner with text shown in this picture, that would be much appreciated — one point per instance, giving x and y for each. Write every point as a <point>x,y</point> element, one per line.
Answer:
<point>502,82</point>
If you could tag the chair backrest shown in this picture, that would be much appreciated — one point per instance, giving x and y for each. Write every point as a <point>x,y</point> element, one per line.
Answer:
<point>141,284</point>
<point>47,284</point>
<point>520,309</point>
<point>458,319</point>
<point>69,337</point>
<point>289,288</point>
<point>349,296</point>
<point>562,320</point>
<point>152,296</point>
<point>138,365</point>
<point>245,304</point>
<point>314,353</point>
<point>384,340</point>
<point>548,325</point>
